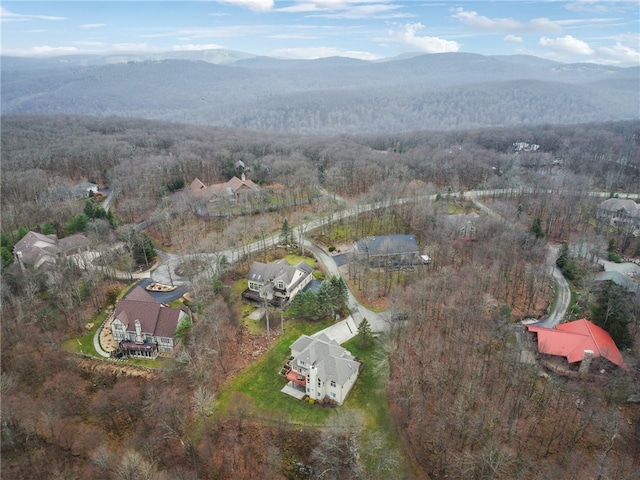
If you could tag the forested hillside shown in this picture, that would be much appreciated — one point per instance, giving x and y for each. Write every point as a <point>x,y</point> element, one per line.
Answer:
<point>444,393</point>
<point>334,95</point>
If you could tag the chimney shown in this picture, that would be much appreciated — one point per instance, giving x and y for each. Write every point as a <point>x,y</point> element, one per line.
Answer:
<point>587,356</point>
<point>139,337</point>
<point>242,177</point>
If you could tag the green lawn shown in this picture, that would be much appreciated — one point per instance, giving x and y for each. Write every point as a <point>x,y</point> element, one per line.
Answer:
<point>260,383</point>
<point>296,259</point>
<point>84,344</point>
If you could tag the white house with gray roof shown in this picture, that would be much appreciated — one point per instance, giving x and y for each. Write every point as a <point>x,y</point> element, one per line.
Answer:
<point>321,369</point>
<point>277,282</point>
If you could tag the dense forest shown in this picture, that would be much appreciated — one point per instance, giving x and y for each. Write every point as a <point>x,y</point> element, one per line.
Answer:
<point>457,401</point>
<point>450,91</point>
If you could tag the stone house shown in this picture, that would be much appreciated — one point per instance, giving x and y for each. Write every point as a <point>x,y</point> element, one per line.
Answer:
<point>143,327</point>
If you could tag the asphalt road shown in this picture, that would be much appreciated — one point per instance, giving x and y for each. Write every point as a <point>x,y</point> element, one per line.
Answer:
<point>563,292</point>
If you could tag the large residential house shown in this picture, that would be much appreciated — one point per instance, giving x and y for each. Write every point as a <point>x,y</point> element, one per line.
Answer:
<point>236,188</point>
<point>36,250</point>
<point>277,282</point>
<point>321,369</point>
<point>621,213</point>
<point>143,327</point>
<point>578,341</point>
<point>388,250</point>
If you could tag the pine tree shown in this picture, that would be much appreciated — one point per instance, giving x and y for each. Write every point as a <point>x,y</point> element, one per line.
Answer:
<point>610,314</point>
<point>364,334</point>
<point>536,228</point>
<point>285,232</point>
<point>563,256</point>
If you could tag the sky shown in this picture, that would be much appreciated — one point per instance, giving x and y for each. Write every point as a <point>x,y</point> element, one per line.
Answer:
<point>594,31</point>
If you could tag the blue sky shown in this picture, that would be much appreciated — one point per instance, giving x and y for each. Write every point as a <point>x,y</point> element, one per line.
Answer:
<point>605,32</point>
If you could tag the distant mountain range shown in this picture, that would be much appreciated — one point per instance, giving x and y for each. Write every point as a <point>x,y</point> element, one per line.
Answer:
<point>328,95</point>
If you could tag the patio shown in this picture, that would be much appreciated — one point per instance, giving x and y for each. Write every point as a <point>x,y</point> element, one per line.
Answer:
<point>293,390</point>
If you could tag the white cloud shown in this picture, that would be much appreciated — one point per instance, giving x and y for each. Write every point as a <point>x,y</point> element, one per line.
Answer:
<point>255,5</point>
<point>48,50</point>
<point>192,47</point>
<point>315,6</point>
<point>321,52</point>
<point>475,20</point>
<point>364,11</point>
<point>513,38</point>
<point>88,26</point>
<point>130,47</point>
<point>7,16</point>
<point>88,43</point>
<point>593,6</point>
<point>622,53</point>
<point>345,8</point>
<point>426,44</point>
<point>567,45</point>
<point>293,36</point>
<point>619,54</point>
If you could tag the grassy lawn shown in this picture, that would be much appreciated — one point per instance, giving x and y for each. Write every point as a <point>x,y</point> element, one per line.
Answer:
<point>256,392</point>
<point>294,259</point>
<point>261,384</point>
<point>84,344</point>
<point>369,399</point>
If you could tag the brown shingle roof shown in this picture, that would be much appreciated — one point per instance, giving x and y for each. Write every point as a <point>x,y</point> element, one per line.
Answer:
<point>155,319</point>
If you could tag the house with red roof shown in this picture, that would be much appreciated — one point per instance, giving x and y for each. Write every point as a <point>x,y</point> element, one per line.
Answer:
<point>143,327</point>
<point>578,340</point>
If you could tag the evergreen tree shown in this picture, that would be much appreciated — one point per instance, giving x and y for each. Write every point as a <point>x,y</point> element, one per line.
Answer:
<point>339,293</point>
<point>285,233</point>
<point>563,256</point>
<point>304,304</point>
<point>610,313</point>
<point>6,246</point>
<point>364,334</point>
<point>566,264</point>
<point>324,305</point>
<point>536,228</point>
<point>143,249</point>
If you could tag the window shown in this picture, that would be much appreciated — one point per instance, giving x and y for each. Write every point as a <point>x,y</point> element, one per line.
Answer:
<point>333,394</point>
<point>254,286</point>
<point>165,340</point>
<point>333,384</point>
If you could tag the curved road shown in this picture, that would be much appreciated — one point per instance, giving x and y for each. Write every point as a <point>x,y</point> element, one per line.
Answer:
<point>165,272</point>
<point>563,292</point>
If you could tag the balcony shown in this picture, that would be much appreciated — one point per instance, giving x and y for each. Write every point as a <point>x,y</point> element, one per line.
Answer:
<point>296,378</point>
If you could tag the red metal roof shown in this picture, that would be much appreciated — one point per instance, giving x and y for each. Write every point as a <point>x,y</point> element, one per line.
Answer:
<point>571,339</point>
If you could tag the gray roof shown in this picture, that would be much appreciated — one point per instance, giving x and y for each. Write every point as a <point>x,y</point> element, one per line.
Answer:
<point>618,204</point>
<point>332,361</point>
<point>280,270</point>
<point>387,245</point>
<point>619,279</point>
<point>32,253</point>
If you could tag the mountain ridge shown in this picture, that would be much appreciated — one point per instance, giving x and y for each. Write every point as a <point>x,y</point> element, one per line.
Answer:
<point>373,96</point>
